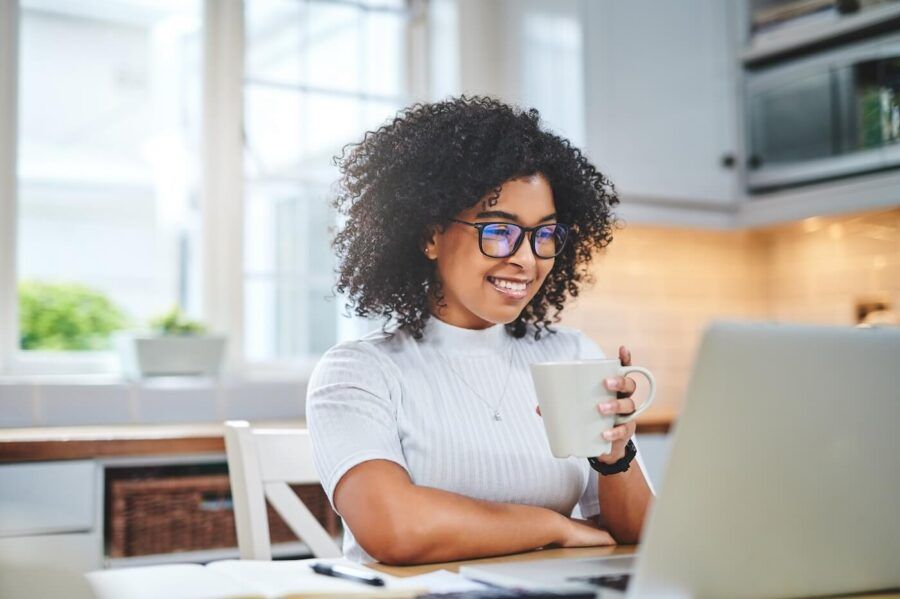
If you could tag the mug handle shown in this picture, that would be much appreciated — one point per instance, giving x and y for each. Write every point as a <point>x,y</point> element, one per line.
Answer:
<point>627,370</point>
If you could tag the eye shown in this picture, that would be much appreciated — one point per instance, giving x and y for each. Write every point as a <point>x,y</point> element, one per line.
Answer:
<point>546,233</point>
<point>499,231</point>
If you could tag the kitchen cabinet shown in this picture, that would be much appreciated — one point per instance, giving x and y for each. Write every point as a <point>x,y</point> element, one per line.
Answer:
<point>55,490</point>
<point>661,101</point>
<point>51,509</point>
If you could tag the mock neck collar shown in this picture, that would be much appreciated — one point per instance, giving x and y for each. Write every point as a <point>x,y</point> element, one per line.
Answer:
<point>451,339</point>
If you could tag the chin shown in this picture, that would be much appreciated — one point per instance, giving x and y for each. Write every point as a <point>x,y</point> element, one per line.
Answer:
<point>503,316</point>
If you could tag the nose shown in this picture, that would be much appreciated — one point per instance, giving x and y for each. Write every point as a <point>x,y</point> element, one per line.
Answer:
<point>524,256</point>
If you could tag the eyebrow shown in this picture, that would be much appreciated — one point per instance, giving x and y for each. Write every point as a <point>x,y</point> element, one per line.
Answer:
<point>509,215</point>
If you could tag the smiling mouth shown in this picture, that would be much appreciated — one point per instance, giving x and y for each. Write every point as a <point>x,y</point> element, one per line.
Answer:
<point>509,288</point>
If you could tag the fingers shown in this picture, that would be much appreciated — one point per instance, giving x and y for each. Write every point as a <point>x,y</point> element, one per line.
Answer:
<point>624,355</point>
<point>538,410</point>
<point>618,433</point>
<point>622,384</point>
<point>616,406</point>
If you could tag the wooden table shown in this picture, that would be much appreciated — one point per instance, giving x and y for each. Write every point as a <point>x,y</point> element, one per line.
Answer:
<point>86,442</point>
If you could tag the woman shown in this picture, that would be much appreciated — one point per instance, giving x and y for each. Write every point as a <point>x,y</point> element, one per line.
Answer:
<point>467,223</point>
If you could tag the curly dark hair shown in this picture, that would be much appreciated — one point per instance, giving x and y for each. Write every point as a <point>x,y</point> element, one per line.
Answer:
<point>434,160</point>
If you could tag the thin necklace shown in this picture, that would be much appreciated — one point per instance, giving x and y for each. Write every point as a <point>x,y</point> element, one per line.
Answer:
<point>495,409</point>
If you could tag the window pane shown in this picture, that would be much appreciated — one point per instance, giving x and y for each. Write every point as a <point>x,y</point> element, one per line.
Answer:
<point>552,49</point>
<point>290,132</point>
<point>323,310</point>
<point>384,54</point>
<point>322,45</point>
<point>319,75</point>
<point>288,319</point>
<point>107,171</point>
<point>274,318</point>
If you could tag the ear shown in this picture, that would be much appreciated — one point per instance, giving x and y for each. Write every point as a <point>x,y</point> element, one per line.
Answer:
<point>429,243</point>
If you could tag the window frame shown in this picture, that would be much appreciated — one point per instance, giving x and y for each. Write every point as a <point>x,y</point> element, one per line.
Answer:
<point>415,77</point>
<point>222,178</point>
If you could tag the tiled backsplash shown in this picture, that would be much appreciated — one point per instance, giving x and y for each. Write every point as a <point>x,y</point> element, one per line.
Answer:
<point>657,288</point>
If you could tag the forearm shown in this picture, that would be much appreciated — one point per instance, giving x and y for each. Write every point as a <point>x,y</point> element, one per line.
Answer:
<point>439,526</point>
<point>624,501</point>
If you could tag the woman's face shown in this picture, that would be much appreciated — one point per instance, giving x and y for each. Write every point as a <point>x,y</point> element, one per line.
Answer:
<point>473,298</point>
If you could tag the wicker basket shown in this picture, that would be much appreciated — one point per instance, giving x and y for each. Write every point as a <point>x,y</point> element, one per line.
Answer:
<point>191,513</point>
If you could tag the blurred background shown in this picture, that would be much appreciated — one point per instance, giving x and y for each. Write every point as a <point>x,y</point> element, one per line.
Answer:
<point>177,153</point>
<point>166,170</point>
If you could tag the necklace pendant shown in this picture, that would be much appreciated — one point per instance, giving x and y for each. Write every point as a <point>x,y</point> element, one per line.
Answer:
<point>497,415</point>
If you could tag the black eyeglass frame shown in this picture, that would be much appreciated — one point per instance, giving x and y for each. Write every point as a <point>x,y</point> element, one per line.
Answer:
<point>526,231</point>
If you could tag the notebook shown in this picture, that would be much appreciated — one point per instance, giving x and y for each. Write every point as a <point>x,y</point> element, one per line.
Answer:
<point>243,579</point>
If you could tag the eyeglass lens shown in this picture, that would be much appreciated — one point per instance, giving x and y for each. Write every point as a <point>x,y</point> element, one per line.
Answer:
<point>499,240</point>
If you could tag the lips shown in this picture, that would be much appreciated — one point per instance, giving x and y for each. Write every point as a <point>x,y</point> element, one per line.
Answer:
<point>509,288</point>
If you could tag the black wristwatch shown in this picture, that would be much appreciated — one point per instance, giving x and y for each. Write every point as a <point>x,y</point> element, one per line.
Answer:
<point>616,467</point>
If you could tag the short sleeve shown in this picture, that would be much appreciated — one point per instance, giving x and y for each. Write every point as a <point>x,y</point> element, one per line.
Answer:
<point>351,412</point>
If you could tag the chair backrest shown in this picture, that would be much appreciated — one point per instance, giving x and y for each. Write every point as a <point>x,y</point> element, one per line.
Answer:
<point>261,465</point>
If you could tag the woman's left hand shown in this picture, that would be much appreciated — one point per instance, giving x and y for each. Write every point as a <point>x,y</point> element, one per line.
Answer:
<point>624,388</point>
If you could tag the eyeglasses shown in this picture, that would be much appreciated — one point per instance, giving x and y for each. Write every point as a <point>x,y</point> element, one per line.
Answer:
<point>501,240</point>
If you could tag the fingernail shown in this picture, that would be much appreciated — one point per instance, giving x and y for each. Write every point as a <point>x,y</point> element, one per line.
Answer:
<point>607,435</point>
<point>605,408</point>
<point>612,384</point>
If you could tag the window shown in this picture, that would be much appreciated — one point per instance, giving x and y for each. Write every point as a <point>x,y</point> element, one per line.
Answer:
<point>318,74</point>
<point>113,142</point>
<point>108,164</point>
<point>551,49</point>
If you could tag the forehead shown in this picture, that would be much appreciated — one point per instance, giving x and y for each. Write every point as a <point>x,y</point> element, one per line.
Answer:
<point>529,198</point>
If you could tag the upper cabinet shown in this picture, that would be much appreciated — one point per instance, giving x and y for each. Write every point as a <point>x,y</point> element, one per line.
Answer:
<point>661,100</point>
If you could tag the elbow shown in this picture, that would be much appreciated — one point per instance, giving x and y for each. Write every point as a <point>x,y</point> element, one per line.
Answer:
<point>627,539</point>
<point>393,542</point>
<point>626,536</point>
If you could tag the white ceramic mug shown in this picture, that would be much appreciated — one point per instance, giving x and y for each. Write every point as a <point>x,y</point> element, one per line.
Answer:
<point>568,394</point>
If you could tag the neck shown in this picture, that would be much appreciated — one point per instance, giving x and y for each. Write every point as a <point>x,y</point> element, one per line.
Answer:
<point>451,313</point>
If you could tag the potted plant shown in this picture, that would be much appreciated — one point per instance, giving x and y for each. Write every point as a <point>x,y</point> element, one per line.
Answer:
<point>175,346</point>
<point>66,317</point>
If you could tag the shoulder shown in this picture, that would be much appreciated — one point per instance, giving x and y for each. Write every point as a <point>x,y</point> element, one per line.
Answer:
<point>365,357</point>
<point>562,342</point>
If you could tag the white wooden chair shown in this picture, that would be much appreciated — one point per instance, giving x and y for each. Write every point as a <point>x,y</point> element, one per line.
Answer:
<point>261,464</point>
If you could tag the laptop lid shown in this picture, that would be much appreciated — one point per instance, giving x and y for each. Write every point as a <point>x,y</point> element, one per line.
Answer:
<point>784,473</point>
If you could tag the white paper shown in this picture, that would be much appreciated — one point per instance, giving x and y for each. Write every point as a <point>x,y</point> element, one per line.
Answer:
<point>444,581</point>
<point>294,577</point>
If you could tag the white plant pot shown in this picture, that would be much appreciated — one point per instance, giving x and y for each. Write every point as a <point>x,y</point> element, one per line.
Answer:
<point>171,355</point>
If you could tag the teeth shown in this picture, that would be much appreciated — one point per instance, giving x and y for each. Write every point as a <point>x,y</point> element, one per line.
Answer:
<point>508,284</point>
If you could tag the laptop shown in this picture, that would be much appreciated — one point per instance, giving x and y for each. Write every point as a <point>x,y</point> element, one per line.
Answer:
<point>783,478</point>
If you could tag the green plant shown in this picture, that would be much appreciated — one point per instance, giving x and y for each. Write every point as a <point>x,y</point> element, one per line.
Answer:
<point>174,322</point>
<point>66,317</point>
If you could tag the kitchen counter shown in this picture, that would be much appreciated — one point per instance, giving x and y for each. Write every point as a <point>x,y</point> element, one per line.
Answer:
<point>85,442</point>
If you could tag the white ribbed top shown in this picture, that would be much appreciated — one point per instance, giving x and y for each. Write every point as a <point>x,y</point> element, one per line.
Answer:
<point>404,400</point>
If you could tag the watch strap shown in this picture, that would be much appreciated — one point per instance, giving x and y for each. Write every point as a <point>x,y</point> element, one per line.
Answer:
<point>616,467</point>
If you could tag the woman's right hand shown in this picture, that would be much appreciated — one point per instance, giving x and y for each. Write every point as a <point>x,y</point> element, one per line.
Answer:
<point>583,533</point>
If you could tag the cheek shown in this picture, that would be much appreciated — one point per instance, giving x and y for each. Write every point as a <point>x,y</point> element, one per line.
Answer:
<point>544,270</point>
<point>464,271</point>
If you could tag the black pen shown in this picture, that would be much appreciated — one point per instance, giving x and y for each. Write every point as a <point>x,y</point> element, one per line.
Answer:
<point>348,573</point>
